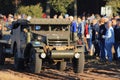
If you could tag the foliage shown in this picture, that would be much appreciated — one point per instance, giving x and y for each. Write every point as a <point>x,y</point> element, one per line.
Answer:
<point>115,5</point>
<point>60,5</point>
<point>32,10</point>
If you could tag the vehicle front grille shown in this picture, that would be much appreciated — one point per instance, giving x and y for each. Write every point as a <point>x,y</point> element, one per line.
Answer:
<point>57,42</point>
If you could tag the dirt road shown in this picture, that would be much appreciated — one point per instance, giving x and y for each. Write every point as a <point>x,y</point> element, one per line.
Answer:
<point>94,70</point>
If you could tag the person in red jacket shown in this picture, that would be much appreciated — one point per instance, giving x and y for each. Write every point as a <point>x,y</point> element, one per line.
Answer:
<point>88,34</point>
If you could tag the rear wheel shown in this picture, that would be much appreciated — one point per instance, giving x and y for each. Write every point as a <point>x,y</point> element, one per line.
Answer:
<point>35,63</point>
<point>78,64</point>
<point>61,65</point>
<point>2,55</point>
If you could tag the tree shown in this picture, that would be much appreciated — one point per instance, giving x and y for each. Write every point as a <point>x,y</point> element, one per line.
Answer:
<point>115,5</point>
<point>32,10</point>
<point>60,6</point>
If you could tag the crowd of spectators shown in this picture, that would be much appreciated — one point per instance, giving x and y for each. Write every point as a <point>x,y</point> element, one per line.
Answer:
<point>100,34</point>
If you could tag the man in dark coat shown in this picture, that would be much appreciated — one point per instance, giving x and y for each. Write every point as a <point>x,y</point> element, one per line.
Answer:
<point>95,31</point>
<point>102,31</point>
<point>117,39</point>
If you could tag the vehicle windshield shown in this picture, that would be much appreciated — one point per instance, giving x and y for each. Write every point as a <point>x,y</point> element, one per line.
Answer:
<point>49,28</point>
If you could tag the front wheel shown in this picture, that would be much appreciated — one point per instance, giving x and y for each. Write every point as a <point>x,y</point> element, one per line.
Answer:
<point>18,62</point>
<point>78,64</point>
<point>35,63</point>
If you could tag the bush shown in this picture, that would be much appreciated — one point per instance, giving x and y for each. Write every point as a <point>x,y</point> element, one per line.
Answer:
<point>32,10</point>
<point>60,5</point>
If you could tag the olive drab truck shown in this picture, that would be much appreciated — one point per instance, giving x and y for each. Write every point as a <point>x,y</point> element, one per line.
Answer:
<point>41,42</point>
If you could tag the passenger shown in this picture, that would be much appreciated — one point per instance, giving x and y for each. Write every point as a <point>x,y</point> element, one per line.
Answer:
<point>55,16</point>
<point>4,18</point>
<point>66,16</point>
<point>60,17</point>
<point>10,18</point>
<point>109,40</point>
<point>19,16</point>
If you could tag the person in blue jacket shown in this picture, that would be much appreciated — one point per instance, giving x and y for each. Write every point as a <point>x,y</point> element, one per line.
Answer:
<point>109,40</point>
<point>79,28</point>
<point>73,29</point>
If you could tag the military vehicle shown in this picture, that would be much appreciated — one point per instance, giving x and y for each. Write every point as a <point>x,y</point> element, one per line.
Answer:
<point>40,42</point>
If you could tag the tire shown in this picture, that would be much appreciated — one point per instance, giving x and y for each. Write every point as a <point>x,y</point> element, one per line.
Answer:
<point>78,64</point>
<point>18,62</point>
<point>61,65</point>
<point>35,63</point>
<point>2,55</point>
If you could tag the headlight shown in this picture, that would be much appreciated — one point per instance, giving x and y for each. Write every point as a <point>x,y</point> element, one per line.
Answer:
<point>39,38</point>
<point>43,55</point>
<point>77,55</point>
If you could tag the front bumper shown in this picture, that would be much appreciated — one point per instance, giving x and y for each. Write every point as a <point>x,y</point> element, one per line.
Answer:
<point>62,54</point>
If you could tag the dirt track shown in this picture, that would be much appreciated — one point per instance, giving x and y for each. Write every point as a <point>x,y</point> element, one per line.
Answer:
<point>94,70</point>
